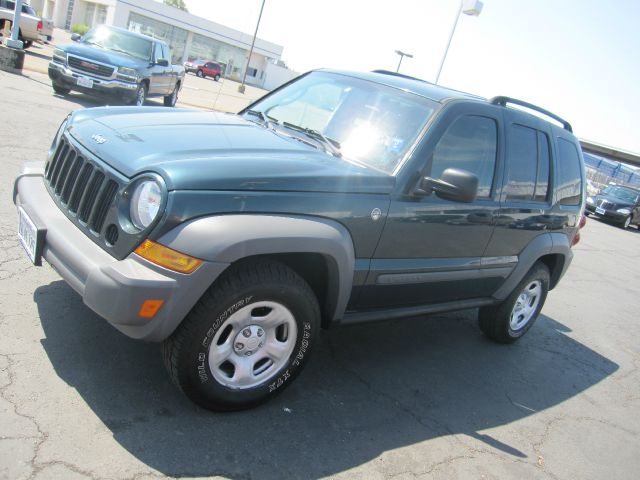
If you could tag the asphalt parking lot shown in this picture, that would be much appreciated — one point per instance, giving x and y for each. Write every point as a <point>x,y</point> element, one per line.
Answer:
<point>426,397</point>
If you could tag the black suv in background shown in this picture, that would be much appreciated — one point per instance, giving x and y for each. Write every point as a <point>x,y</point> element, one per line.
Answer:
<point>338,198</point>
<point>616,204</point>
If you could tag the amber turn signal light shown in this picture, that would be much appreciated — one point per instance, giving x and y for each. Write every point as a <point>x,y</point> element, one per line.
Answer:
<point>167,257</point>
<point>149,308</point>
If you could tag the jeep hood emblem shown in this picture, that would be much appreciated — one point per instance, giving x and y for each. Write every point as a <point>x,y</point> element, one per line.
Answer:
<point>98,138</point>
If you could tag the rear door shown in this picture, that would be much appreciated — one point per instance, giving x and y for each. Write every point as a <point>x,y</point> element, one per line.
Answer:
<point>432,250</point>
<point>527,199</point>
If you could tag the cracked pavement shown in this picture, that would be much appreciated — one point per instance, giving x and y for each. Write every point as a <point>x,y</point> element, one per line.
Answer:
<point>420,398</point>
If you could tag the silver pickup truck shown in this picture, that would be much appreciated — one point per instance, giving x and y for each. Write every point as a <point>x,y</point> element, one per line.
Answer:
<point>32,27</point>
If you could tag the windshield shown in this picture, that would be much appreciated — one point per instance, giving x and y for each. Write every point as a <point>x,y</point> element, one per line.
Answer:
<point>369,123</point>
<point>622,193</point>
<point>118,41</point>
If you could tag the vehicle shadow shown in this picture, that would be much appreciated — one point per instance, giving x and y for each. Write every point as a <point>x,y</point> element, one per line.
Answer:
<point>366,390</point>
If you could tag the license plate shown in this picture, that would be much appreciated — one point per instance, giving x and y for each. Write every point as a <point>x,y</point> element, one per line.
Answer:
<point>85,82</point>
<point>31,238</point>
<point>600,211</point>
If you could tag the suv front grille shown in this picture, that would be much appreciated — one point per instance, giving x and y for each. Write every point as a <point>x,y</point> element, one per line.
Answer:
<point>87,66</point>
<point>80,187</point>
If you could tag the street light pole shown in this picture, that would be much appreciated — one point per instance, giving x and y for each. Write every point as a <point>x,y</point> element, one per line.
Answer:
<point>468,7</point>
<point>402,55</point>
<point>253,42</point>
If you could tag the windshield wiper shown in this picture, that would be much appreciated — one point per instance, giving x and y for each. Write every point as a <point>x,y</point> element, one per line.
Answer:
<point>263,116</point>
<point>330,146</point>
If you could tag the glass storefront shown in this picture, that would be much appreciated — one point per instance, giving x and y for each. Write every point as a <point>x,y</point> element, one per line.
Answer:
<point>174,36</point>
<point>232,59</point>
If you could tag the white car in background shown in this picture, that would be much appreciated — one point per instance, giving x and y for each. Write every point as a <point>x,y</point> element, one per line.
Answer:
<point>32,27</point>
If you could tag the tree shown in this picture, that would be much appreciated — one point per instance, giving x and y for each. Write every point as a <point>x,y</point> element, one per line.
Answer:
<point>177,3</point>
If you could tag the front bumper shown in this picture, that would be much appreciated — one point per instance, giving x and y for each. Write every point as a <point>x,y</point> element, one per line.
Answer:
<point>609,215</point>
<point>64,77</point>
<point>114,289</point>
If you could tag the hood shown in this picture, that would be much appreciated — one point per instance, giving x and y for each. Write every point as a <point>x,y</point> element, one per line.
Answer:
<point>102,55</point>
<point>197,150</point>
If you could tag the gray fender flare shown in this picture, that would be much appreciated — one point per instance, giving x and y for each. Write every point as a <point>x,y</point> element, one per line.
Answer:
<point>229,238</point>
<point>546,244</point>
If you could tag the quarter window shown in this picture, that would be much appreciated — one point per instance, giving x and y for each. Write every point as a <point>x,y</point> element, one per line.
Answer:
<point>569,173</point>
<point>470,144</point>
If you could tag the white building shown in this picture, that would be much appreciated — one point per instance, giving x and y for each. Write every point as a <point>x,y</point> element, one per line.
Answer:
<point>189,36</point>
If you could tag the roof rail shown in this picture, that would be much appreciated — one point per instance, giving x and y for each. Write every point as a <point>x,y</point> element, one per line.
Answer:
<point>502,101</point>
<point>396,74</point>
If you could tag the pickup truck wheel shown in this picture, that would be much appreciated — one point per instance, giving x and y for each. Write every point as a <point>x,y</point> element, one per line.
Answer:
<point>60,90</point>
<point>170,100</point>
<point>216,78</point>
<point>512,318</point>
<point>246,339</point>
<point>141,95</point>
<point>27,43</point>
<point>200,74</point>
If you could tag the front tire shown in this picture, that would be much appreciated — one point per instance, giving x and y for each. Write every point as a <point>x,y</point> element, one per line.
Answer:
<point>60,90</point>
<point>512,318</point>
<point>246,339</point>
<point>625,224</point>
<point>141,95</point>
<point>216,78</point>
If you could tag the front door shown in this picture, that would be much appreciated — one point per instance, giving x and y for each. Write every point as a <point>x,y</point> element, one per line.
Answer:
<point>432,250</point>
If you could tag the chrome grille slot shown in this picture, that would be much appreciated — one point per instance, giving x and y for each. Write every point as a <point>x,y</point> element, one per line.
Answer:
<point>58,165</point>
<point>79,187</point>
<point>89,197</point>
<point>71,179</point>
<point>90,67</point>
<point>105,198</point>
<point>64,171</point>
<point>51,164</point>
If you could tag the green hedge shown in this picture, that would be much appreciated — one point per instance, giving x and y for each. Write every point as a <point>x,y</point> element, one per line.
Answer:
<point>80,28</point>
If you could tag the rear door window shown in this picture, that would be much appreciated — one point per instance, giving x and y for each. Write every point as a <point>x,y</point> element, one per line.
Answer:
<point>528,164</point>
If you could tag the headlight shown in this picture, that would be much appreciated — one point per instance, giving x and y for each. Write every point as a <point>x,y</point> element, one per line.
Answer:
<point>624,211</point>
<point>145,203</point>
<point>590,201</point>
<point>127,74</point>
<point>60,56</point>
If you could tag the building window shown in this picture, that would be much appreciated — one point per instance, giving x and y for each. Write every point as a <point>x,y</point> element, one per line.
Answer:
<point>175,37</point>
<point>252,72</point>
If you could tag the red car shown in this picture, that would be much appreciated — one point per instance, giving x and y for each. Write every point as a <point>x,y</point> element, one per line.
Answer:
<point>209,69</point>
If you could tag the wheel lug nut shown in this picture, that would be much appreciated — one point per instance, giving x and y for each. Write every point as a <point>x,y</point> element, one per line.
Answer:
<point>261,344</point>
<point>246,333</point>
<point>239,346</point>
<point>249,353</point>
<point>260,332</point>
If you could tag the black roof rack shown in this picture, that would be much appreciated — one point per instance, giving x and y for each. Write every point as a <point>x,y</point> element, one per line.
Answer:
<point>502,101</point>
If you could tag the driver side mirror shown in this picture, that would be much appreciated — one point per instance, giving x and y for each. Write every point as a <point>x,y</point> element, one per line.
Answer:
<point>455,184</point>
<point>76,37</point>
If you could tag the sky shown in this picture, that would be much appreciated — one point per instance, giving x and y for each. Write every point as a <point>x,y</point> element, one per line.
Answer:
<point>577,58</point>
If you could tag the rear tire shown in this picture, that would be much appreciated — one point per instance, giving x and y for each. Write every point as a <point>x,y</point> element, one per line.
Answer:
<point>246,339</point>
<point>512,318</point>
<point>170,100</point>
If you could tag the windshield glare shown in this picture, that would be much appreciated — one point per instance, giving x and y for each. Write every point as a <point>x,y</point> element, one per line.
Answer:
<point>371,123</point>
<point>621,193</point>
<point>120,42</point>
